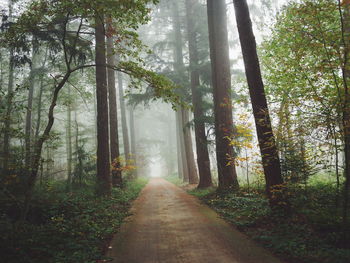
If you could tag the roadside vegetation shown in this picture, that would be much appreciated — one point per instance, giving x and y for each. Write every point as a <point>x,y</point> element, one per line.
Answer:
<point>63,226</point>
<point>310,233</point>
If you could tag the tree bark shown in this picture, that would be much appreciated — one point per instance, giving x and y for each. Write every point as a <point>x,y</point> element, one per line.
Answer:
<point>267,143</point>
<point>179,67</point>
<point>192,169</point>
<point>221,80</point>
<point>39,99</point>
<point>28,124</point>
<point>103,186</point>
<point>69,140</point>
<point>126,143</point>
<point>182,146</point>
<point>113,117</point>
<point>180,168</point>
<point>133,138</point>
<point>203,160</point>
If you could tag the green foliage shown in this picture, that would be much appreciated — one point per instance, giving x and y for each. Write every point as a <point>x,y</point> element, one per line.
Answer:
<point>64,227</point>
<point>311,234</point>
<point>302,63</point>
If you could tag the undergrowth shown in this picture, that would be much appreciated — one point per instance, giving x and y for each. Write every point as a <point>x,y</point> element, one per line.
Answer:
<point>174,179</point>
<point>64,227</point>
<point>311,234</point>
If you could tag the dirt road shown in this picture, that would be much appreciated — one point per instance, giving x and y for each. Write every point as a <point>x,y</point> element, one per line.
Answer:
<point>169,226</point>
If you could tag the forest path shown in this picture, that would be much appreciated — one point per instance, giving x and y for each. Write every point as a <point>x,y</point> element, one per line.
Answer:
<point>168,225</point>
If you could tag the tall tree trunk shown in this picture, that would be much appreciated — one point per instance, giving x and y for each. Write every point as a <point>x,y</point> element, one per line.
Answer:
<point>180,69</point>
<point>192,169</point>
<point>180,168</point>
<point>221,79</point>
<point>28,124</point>
<point>345,16</point>
<point>123,117</point>
<point>103,165</point>
<point>39,99</point>
<point>133,138</point>
<point>36,160</point>
<point>113,117</point>
<point>268,149</point>
<point>182,146</point>
<point>203,160</point>
<point>170,142</point>
<point>95,116</point>
<point>77,164</point>
<point>69,139</point>
<point>7,122</point>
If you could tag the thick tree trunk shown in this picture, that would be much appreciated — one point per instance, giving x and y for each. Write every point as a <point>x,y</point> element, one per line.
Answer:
<point>192,169</point>
<point>113,117</point>
<point>203,160</point>
<point>126,143</point>
<point>221,79</point>
<point>103,164</point>
<point>268,149</point>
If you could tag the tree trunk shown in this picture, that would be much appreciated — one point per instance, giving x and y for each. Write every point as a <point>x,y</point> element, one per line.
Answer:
<point>36,159</point>
<point>78,169</point>
<point>103,164</point>
<point>179,67</point>
<point>113,117</point>
<point>69,140</point>
<point>221,80</point>
<point>345,15</point>
<point>182,146</point>
<point>180,168</point>
<point>28,124</point>
<point>123,115</point>
<point>203,160</point>
<point>268,149</point>
<point>192,169</point>
<point>7,122</point>
<point>133,138</point>
<point>39,99</point>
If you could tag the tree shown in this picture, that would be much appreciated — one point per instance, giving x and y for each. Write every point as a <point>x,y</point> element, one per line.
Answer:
<point>203,160</point>
<point>345,26</point>
<point>69,139</point>
<point>268,149</point>
<point>113,117</point>
<point>10,86</point>
<point>126,143</point>
<point>179,68</point>
<point>28,124</point>
<point>221,80</point>
<point>133,136</point>
<point>103,186</point>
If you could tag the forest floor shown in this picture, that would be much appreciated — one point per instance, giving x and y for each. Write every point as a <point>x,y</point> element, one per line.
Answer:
<point>168,225</point>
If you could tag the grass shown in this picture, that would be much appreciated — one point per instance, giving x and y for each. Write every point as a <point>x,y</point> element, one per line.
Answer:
<point>311,234</point>
<point>64,227</point>
<point>174,179</point>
